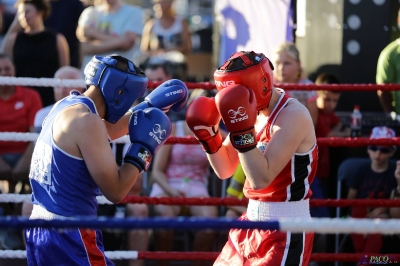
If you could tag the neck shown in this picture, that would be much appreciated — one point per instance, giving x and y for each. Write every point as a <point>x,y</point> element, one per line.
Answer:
<point>6,92</point>
<point>272,103</point>
<point>39,27</point>
<point>94,93</point>
<point>113,7</point>
<point>379,168</point>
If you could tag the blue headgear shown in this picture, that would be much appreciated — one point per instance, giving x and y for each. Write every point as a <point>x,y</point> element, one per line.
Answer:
<point>119,87</point>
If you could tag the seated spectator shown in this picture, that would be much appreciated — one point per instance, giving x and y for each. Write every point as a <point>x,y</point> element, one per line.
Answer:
<point>110,27</point>
<point>374,181</point>
<point>65,72</point>
<point>288,70</point>
<point>18,107</point>
<point>37,51</point>
<point>173,166</point>
<point>328,125</point>
<point>159,69</point>
<point>166,31</point>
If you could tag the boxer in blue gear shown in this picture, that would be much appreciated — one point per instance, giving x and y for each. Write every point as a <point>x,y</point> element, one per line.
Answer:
<point>72,160</point>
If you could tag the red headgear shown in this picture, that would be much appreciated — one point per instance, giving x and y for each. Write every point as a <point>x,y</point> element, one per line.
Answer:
<point>251,70</point>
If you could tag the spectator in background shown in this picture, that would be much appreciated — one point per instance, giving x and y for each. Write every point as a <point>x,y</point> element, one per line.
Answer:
<point>288,70</point>
<point>387,71</point>
<point>375,180</point>
<point>172,165</point>
<point>18,106</point>
<point>63,19</point>
<point>166,31</point>
<point>65,72</point>
<point>110,27</point>
<point>37,51</point>
<point>159,69</point>
<point>328,125</point>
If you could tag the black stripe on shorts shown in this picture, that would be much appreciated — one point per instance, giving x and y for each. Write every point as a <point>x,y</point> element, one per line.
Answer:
<point>295,251</point>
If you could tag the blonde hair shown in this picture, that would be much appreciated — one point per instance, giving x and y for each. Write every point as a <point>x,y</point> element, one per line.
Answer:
<point>289,48</point>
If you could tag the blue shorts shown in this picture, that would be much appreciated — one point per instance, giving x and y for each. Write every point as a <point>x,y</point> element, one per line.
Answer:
<point>52,246</point>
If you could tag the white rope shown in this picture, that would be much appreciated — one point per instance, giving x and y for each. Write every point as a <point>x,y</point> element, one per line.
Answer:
<point>18,136</point>
<point>18,198</point>
<point>112,255</point>
<point>43,82</point>
<point>29,136</point>
<point>337,225</point>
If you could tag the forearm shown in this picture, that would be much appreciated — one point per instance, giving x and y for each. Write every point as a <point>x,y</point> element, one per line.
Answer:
<point>162,180</point>
<point>128,175</point>
<point>224,161</point>
<point>120,128</point>
<point>256,168</point>
<point>386,99</point>
<point>394,212</point>
<point>96,47</point>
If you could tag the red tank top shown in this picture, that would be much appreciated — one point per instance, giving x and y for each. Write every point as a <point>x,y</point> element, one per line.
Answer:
<point>293,182</point>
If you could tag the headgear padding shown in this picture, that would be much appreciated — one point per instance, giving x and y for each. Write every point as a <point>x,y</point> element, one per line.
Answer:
<point>120,82</point>
<point>250,69</point>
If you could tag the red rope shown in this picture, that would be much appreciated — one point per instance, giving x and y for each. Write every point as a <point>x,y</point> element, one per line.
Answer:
<point>214,201</point>
<point>334,142</point>
<point>342,257</point>
<point>285,86</point>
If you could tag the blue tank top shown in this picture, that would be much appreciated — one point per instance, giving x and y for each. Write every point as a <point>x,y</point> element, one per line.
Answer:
<point>61,183</point>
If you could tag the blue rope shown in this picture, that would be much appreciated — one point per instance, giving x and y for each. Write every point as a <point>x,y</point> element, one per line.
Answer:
<point>179,223</point>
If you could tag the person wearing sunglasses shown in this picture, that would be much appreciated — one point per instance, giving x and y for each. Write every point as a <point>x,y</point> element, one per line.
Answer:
<point>375,180</point>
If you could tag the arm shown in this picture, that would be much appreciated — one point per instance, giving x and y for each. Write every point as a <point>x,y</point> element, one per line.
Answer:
<point>385,73</point>
<point>8,44</point>
<point>313,109</point>
<point>146,36</point>
<point>225,160</point>
<point>114,182</point>
<point>63,50</point>
<point>14,28</point>
<point>337,132</point>
<point>386,99</point>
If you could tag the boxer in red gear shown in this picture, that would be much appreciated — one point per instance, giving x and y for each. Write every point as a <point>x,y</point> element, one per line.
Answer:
<point>278,173</point>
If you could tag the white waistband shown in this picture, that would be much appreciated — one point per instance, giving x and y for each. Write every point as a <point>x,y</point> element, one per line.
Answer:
<point>39,212</point>
<point>264,211</point>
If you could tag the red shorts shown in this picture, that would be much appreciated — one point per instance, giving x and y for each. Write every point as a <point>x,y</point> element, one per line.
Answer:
<point>260,247</point>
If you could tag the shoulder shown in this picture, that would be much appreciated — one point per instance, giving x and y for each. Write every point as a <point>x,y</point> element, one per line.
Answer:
<point>294,115</point>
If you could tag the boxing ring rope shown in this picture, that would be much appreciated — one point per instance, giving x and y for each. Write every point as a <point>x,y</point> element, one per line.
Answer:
<point>214,201</point>
<point>332,141</point>
<point>318,225</point>
<point>51,82</point>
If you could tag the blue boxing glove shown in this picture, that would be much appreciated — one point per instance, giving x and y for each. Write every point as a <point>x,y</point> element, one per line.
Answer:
<point>172,94</point>
<point>148,130</point>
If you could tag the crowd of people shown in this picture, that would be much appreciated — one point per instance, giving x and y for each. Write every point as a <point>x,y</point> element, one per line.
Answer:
<point>270,156</point>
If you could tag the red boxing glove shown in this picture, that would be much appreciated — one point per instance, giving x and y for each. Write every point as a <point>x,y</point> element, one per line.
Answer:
<point>203,119</point>
<point>238,108</point>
